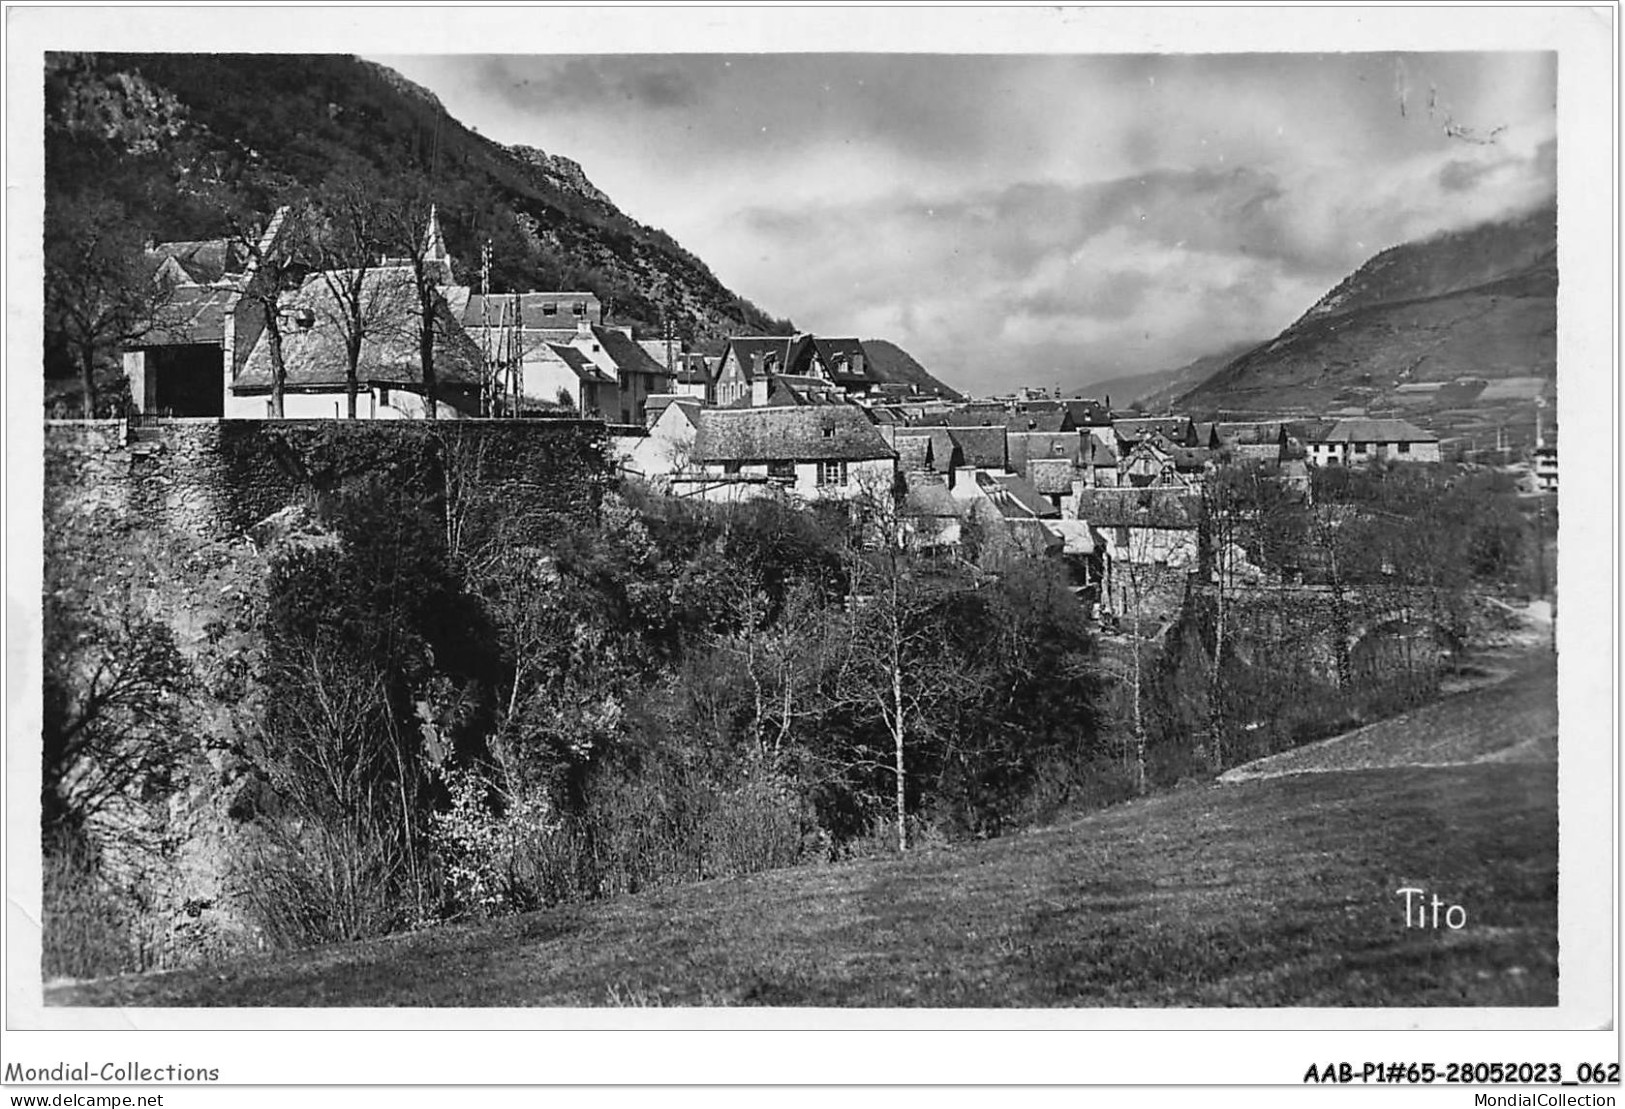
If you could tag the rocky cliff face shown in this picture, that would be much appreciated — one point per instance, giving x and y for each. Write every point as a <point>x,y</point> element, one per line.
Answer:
<point>562,173</point>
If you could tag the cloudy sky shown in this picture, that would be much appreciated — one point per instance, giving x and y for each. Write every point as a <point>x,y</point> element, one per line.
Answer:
<point>1034,219</point>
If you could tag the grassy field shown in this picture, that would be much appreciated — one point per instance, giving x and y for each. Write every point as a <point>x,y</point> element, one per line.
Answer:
<point>1271,892</point>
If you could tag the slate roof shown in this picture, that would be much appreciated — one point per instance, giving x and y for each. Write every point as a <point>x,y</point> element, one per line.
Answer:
<point>913,453</point>
<point>1026,445</point>
<point>584,367</point>
<point>204,261</point>
<point>946,454</point>
<point>1160,507</point>
<point>1376,431</point>
<point>1088,413</point>
<point>692,369</point>
<point>770,353</point>
<point>193,314</point>
<point>788,389</point>
<point>314,357</point>
<point>1051,475</point>
<point>1054,421</point>
<point>1173,428</point>
<point>533,314</point>
<point>655,405</point>
<point>1101,453</point>
<point>983,447</point>
<point>841,357</point>
<point>811,434</point>
<point>624,351</point>
<point>1015,497</point>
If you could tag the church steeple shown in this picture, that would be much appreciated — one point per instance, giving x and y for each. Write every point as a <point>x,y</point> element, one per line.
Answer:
<point>434,246</point>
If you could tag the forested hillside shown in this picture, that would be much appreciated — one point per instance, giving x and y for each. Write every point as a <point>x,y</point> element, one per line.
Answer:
<point>158,136</point>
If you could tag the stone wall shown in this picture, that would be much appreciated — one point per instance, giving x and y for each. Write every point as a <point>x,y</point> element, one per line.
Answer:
<point>165,522</point>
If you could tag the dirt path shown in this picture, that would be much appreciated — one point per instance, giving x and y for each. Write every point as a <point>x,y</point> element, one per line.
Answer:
<point>1512,720</point>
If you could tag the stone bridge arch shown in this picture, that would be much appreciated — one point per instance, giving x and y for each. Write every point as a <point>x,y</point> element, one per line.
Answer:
<point>1400,638</point>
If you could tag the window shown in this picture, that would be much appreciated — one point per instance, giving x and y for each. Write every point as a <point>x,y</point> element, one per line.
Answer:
<point>1122,538</point>
<point>1359,448</point>
<point>550,309</point>
<point>832,473</point>
<point>580,308</point>
<point>829,433</point>
<point>781,470</point>
<point>730,467</point>
<point>1403,447</point>
<point>383,394</point>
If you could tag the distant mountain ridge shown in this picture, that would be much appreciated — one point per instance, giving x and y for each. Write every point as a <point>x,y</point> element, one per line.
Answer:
<point>1479,304</point>
<point>1156,390</point>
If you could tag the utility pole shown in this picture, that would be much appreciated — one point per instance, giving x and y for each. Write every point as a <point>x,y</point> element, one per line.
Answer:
<point>487,371</point>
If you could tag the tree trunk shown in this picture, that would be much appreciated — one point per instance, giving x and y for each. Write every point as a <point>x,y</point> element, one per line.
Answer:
<point>431,390</point>
<point>87,380</point>
<point>897,754</point>
<point>279,369</point>
<point>352,373</point>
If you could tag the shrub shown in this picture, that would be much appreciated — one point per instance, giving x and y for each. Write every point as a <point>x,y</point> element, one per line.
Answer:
<point>89,926</point>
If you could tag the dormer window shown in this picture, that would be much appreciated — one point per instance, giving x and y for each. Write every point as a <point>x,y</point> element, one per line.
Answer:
<point>581,308</point>
<point>550,309</point>
<point>829,433</point>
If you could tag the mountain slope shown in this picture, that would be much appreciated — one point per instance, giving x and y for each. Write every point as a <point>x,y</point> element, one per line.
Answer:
<point>1479,304</point>
<point>1156,390</point>
<point>147,128</point>
<point>890,362</point>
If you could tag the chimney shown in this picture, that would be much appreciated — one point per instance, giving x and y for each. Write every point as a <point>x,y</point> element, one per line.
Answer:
<point>964,481</point>
<point>758,391</point>
<point>1078,486</point>
<point>584,326</point>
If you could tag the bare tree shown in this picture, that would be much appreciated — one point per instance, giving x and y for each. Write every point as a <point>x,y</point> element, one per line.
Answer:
<point>346,244</point>
<point>100,291</point>
<point>278,256</point>
<point>115,685</point>
<point>408,224</point>
<point>886,660</point>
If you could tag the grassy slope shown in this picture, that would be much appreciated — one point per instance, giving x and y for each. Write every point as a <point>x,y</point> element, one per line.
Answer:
<point>1270,892</point>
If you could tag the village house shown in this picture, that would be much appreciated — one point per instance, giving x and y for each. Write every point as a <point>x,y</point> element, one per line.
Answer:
<point>1253,442</point>
<point>1138,531</point>
<point>812,453</point>
<point>932,517</point>
<point>389,372</point>
<point>1359,442</point>
<point>185,364</point>
<point>693,377</point>
<point>745,371</point>
<point>674,422</point>
<point>1178,431</point>
<point>926,450</point>
<point>609,372</point>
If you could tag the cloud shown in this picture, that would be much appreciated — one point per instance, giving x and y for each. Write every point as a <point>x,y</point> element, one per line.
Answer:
<point>999,215</point>
<point>595,84</point>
